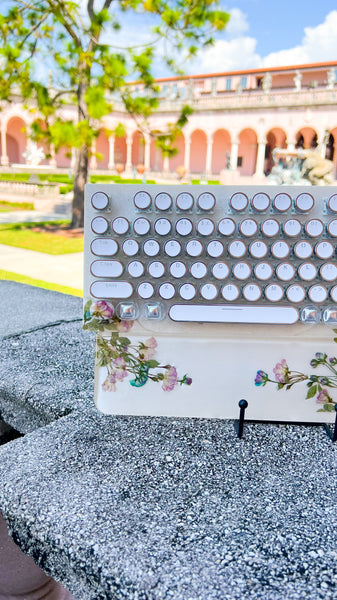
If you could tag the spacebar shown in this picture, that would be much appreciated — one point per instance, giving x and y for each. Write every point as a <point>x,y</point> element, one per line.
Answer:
<point>219,313</point>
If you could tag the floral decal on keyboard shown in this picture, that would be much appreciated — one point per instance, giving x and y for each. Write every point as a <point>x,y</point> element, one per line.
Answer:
<point>318,385</point>
<point>122,358</point>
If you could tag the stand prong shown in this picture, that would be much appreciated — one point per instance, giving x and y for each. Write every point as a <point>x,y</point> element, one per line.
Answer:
<point>243,405</point>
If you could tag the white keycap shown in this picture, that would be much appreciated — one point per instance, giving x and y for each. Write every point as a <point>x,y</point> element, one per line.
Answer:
<point>163,201</point>
<point>234,314</point>
<point>99,200</point>
<point>178,269</point>
<point>136,268</point>
<point>314,228</point>
<point>163,226</point>
<point>187,291</point>
<point>292,228</point>
<point>318,293</point>
<point>185,201</point>
<point>237,249</point>
<point>285,271</point>
<point>172,248</point>
<point>333,293</point>
<point>239,201</point>
<point>270,228</point>
<point>261,202</point>
<point>263,271</point>
<point>304,202</point>
<point>156,269</point>
<point>104,247</point>
<point>307,271</point>
<point>280,249</point>
<point>107,268</point>
<point>166,291</point>
<point>242,271</point>
<point>303,250</point>
<point>99,225</point>
<point>215,249</point>
<point>198,270</point>
<point>130,247</point>
<point>252,292</point>
<point>145,290</point>
<point>184,227</point>
<point>120,225</point>
<point>274,292</point>
<point>220,270</point>
<point>324,250</point>
<point>230,292</point>
<point>248,227</point>
<point>141,226</point>
<point>151,248</point>
<point>258,249</point>
<point>332,228</point>
<point>142,200</point>
<point>206,201</point>
<point>332,203</point>
<point>282,202</point>
<point>194,248</point>
<point>328,272</point>
<point>111,289</point>
<point>295,293</point>
<point>209,291</point>
<point>226,227</point>
<point>205,227</point>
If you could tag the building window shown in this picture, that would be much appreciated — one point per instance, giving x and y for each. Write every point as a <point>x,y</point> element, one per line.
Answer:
<point>228,84</point>
<point>244,82</point>
<point>239,161</point>
<point>259,82</point>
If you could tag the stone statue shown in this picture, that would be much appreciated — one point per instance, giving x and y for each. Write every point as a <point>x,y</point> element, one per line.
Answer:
<point>298,81</point>
<point>266,83</point>
<point>331,79</point>
<point>33,154</point>
<point>317,169</point>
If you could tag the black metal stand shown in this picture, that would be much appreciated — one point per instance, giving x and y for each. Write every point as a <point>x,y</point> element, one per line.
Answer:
<point>332,434</point>
<point>240,423</point>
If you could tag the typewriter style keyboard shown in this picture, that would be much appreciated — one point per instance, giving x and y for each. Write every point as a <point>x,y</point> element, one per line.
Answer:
<point>218,254</point>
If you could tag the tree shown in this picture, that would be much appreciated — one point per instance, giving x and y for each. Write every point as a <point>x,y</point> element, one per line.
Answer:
<point>74,42</point>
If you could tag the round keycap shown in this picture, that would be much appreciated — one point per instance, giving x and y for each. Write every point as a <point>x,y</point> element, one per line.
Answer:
<point>226,227</point>
<point>172,248</point>
<point>220,270</point>
<point>194,248</point>
<point>292,228</point>
<point>314,228</point>
<point>163,201</point>
<point>280,249</point>
<point>141,226</point>
<point>258,249</point>
<point>332,203</point>
<point>318,293</point>
<point>248,227</point>
<point>187,291</point>
<point>252,292</point>
<point>242,271</point>
<point>206,201</point>
<point>99,225</point>
<point>328,272</point>
<point>332,228</point>
<point>230,292</point>
<point>274,292</point>
<point>307,271</point>
<point>120,225</point>
<point>237,249</point>
<point>324,250</point>
<point>205,227</point>
<point>198,270</point>
<point>263,271</point>
<point>239,202</point>
<point>209,291</point>
<point>303,250</point>
<point>156,269</point>
<point>151,248</point>
<point>166,291</point>
<point>261,202</point>
<point>106,268</point>
<point>184,227</point>
<point>142,200</point>
<point>270,228</point>
<point>215,249</point>
<point>304,202</point>
<point>285,271</point>
<point>130,247</point>
<point>178,269</point>
<point>99,200</point>
<point>104,247</point>
<point>136,268</point>
<point>295,293</point>
<point>333,293</point>
<point>184,201</point>
<point>282,202</point>
<point>145,290</point>
<point>163,226</point>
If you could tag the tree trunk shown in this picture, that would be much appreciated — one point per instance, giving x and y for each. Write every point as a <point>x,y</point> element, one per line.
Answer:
<point>80,179</point>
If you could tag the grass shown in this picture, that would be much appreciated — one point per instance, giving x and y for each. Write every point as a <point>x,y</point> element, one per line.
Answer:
<point>9,276</point>
<point>21,235</point>
<point>10,206</point>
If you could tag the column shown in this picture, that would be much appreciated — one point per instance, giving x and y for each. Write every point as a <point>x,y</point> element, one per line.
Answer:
<point>128,166</point>
<point>52,160</point>
<point>261,154</point>
<point>147,155</point>
<point>209,155</point>
<point>111,162</point>
<point>166,164</point>
<point>187,157</point>
<point>234,156</point>
<point>73,158</point>
<point>4,161</point>
<point>93,159</point>
<point>291,146</point>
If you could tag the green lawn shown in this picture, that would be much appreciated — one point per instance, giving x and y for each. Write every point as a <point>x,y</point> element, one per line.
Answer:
<point>11,206</point>
<point>9,276</point>
<point>21,235</point>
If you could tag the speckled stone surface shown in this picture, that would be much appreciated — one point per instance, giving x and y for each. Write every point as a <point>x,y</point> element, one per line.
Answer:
<point>153,508</point>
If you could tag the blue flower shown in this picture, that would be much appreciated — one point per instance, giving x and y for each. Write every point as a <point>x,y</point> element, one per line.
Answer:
<point>261,378</point>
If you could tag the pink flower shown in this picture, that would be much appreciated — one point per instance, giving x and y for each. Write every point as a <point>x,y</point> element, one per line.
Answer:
<point>150,349</point>
<point>281,371</point>
<point>170,379</point>
<point>124,326</point>
<point>102,309</point>
<point>120,371</point>
<point>323,397</point>
<point>109,384</point>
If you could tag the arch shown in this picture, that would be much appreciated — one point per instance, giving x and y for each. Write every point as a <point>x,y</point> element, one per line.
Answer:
<point>221,150</point>
<point>276,138</point>
<point>198,151</point>
<point>120,151</point>
<point>333,146</point>
<point>247,152</point>
<point>138,149</point>
<point>178,159</point>
<point>16,140</point>
<point>306,137</point>
<point>102,147</point>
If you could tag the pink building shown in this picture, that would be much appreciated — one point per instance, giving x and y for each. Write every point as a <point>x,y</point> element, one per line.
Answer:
<point>239,118</point>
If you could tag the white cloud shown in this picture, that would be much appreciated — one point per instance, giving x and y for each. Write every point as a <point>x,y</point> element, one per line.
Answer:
<point>237,24</point>
<point>229,56</point>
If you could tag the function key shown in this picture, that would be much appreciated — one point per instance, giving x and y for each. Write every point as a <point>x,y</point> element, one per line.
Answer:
<point>142,200</point>
<point>104,247</point>
<point>205,227</point>
<point>303,250</point>
<point>332,203</point>
<point>206,201</point>
<point>99,225</point>
<point>239,202</point>
<point>261,202</point>
<point>248,227</point>
<point>120,225</point>
<point>304,202</point>
<point>107,268</point>
<point>332,228</point>
<point>314,228</point>
<point>184,201</point>
<point>163,226</point>
<point>184,227</point>
<point>258,249</point>
<point>292,228</point>
<point>324,250</point>
<point>270,228</point>
<point>141,226</point>
<point>163,201</point>
<point>99,200</point>
<point>226,227</point>
<point>282,202</point>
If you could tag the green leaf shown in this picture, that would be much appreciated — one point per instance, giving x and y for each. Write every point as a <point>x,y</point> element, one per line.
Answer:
<point>328,407</point>
<point>152,364</point>
<point>312,392</point>
<point>124,341</point>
